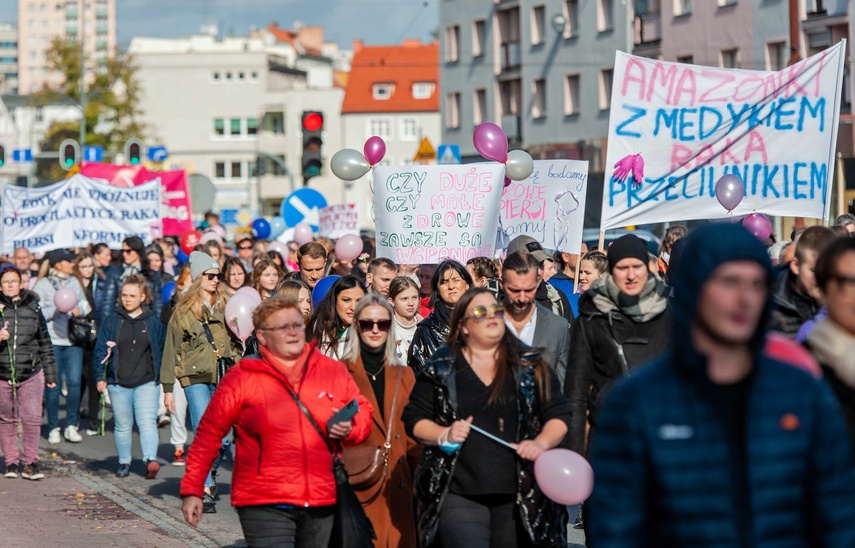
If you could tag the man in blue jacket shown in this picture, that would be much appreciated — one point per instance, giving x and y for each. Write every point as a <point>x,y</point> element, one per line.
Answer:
<point>717,444</point>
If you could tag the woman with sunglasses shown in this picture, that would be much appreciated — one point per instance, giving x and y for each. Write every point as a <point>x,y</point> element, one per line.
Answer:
<point>266,275</point>
<point>234,274</point>
<point>387,495</point>
<point>330,323</point>
<point>467,485</point>
<point>448,283</point>
<point>195,337</point>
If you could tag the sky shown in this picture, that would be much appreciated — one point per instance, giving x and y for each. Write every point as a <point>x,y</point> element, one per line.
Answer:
<point>374,21</point>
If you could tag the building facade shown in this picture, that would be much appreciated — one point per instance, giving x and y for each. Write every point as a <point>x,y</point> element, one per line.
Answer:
<point>8,59</point>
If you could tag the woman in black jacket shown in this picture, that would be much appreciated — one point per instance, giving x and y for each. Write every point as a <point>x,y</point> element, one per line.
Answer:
<point>26,366</point>
<point>448,283</point>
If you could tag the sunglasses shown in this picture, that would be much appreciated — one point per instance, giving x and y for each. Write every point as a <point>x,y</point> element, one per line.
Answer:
<point>213,276</point>
<point>248,246</point>
<point>481,313</point>
<point>368,325</point>
<point>127,251</point>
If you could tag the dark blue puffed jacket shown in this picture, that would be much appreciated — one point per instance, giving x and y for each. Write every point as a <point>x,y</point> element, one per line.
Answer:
<point>670,469</point>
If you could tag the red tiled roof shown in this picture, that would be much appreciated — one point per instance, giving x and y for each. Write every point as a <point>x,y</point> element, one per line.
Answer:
<point>281,35</point>
<point>401,66</point>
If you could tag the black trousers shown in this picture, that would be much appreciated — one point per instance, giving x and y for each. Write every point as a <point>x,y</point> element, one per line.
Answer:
<point>481,522</point>
<point>265,526</point>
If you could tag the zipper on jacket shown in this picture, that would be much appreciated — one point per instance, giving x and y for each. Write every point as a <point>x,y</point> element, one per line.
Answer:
<point>258,436</point>
<point>305,460</point>
<point>116,355</point>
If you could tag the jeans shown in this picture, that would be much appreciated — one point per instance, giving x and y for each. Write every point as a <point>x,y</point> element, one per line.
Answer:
<point>178,426</point>
<point>29,410</point>
<point>69,366</point>
<point>138,403</point>
<point>198,396</point>
<point>488,522</point>
<point>264,526</point>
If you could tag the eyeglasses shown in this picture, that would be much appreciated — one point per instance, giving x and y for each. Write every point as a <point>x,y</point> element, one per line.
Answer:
<point>368,325</point>
<point>248,246</point>
<point>481,313</point>
<point>292,327</point>
<point>212,276</point>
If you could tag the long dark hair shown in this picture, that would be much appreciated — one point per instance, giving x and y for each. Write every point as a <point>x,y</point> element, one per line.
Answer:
<point>508,351</point>
<point>438,274</point>
<point>325,322</point>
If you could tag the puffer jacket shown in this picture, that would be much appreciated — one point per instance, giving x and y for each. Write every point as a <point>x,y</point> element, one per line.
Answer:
<point>109,331</point>
<point>113,285</point>
<point>187,354</point>
<point>431,333</point>
<point>790,309</point>
<point>30,342</point>
<point>544,521</point>
<point>280,458</point>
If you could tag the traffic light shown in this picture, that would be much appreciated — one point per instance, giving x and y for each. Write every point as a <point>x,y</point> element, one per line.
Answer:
<point>2,155</point>
<point>69,154</point>
<point>133,152</point>
<point>313,128</point>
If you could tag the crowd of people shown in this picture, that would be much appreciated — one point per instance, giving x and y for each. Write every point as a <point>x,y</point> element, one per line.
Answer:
<point>660,370</point>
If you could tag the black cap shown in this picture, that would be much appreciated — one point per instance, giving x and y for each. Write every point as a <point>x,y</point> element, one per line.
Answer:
<point>58,255</point>
<point>628,246</point>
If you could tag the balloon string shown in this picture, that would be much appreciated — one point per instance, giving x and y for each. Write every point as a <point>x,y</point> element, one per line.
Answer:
<point>492,437</point>
<point>558,238</point>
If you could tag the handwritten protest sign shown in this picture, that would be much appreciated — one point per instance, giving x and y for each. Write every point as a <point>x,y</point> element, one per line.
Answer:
<point>77,212</point>
<point>425,214</point>
<point>777,131</point>
<point>339,220</point>
<point>549,206</point>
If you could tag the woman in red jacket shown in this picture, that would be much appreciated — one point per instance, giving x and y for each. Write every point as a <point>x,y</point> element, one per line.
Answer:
<point>282,484</point>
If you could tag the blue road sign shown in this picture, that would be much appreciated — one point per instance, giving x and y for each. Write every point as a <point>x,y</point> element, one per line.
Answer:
<point>22,155</point>
<point>93,153</point>
<point>157,154</point>
<point>228,216</point>
<point>303,205</point>
<point>448,154</point>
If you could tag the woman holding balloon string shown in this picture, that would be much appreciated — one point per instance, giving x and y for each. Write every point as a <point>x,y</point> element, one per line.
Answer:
<point>266,275</point>
<point>467,485</point>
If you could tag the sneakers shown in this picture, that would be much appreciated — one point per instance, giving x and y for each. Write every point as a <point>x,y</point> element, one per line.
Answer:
<point>123,471</point>
<point>54,437</point>
<point>90,432</point>
<point>208,504</point>
<point>72,435</point>
<point>163,420</point>
<point>12,471</point>
<point>32,472</point>
<point>178,457</point>
<point>152,468</point>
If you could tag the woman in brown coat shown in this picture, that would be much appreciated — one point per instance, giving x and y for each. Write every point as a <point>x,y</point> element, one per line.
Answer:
<point>370,358</point>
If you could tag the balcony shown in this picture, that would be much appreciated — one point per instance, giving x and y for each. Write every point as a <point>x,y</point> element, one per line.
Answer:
<point>511,55</point>
<point>647,34</point>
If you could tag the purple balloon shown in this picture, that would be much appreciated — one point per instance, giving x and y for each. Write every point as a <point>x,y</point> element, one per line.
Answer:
<point>303,233</point>
<point>491,142</point>
<point>759,225</point>
<point>564,476</point>
<point>348,247</point>
<point>374,149</point>
<point>251,293</point>
<point>239,315</point>
<point>729,191</point>
<point>65,299</point>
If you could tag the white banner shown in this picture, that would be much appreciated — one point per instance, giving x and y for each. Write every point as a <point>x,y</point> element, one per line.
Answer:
<point>77,212</point>
<point>549,206</point>
<point>339,220</point>
<point>425,214</point>
<point>776,131</point>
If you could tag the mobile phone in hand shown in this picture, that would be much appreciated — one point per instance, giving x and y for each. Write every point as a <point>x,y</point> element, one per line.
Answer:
<point>344,414</point>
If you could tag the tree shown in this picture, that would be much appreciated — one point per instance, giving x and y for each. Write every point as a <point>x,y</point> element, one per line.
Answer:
<point>112,102</point>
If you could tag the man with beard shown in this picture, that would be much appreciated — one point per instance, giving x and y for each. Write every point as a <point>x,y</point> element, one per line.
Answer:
<point>531,322</point>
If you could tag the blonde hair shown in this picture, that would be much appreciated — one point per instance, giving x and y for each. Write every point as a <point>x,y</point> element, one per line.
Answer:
<point>193,302</point>
<point>354,344</point>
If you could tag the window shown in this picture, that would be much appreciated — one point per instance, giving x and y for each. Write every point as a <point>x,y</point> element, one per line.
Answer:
<point>723,3</point>
<point>538,99</point>
<point>571,94</point>
<point>452,110</point>
<point>478,38</point>
<point>479,106</point>
<point>605,88</point>
<point>452,42</point>
<point>253,76</point>
<point>538,25</point>
<point>819,41</point>
<point>252,126</point>
<point>215,77</point>
<point>571,18</point>
<point>241,76</point>
<point>422,90</point>
<point>682,7</point>
<point>234,126</point>
<point>409,129</point>
<point>776,55</point>
<point>687,59</point>
<point>229,76</point>
<point>220,170</point>
<point>730,58</point>
<point>235,171</point>
<point>219,127</point>
<point>274,122</point>
<point>379,127</point>
<point>605,15</point>
<point>383,91</point>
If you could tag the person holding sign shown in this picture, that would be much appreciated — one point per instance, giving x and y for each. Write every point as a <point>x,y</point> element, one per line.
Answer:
<point>467,485</point>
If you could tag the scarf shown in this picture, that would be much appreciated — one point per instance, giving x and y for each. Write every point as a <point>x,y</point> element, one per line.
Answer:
<point>834,347</point>
<point>641,308</point>
<point>130,270</point>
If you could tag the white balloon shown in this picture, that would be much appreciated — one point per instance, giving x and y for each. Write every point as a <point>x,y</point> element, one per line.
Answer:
<point>519,165</point>
<point>349,165</point>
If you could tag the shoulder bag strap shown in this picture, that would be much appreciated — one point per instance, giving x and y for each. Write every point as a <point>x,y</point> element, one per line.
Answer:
<point>390,420</point>
<point>210,337</point>
<point>311,419</point>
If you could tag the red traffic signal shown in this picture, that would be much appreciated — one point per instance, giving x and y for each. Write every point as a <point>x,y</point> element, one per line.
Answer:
<point>313,121</point>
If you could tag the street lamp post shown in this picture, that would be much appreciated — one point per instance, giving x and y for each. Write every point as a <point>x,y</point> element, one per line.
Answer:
<point>82,35</point>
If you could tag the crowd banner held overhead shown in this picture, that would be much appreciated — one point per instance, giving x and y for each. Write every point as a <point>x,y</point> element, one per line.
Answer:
<point>777,131</point>
<point>425,214</point>
<point>339,220</point>
<point>549,205</point>
<point>79,211</point>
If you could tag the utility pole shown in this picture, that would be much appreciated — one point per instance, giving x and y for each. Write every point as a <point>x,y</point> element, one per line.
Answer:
<point>82,35</point>
<point>795,35</point>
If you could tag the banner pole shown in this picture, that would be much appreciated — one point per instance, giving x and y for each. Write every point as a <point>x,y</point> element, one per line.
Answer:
<point>841,188</point>
<point>602,241</point>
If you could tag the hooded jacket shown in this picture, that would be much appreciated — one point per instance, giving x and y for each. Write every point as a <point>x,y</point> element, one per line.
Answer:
<point>431,333</point>
<point>675,465</point>
<point>30,342</point>
<point>109,331</point>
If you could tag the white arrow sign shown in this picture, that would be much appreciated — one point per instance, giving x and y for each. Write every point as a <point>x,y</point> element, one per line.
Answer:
<point>311,216</point>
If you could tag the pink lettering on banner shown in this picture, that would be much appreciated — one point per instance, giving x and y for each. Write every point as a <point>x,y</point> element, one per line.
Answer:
<point>524,200</point>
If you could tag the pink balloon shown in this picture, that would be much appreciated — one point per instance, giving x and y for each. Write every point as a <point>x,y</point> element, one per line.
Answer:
<point>564,476</point>
<point>210,236</point>
<point>239,315</point>
<point>303,233</point>
<point>348,247</point>
<point>759,225</point>
<point>249,292</point>
<point>729,191</point>
<point>278,247</point>
<point>491,142</point>
<point>374,149</point>
<point>65,299</point>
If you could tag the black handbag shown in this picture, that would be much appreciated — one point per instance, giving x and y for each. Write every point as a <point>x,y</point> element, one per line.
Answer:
<point>224,363</point>
<point>351,526</point>
<point>81,331</point>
